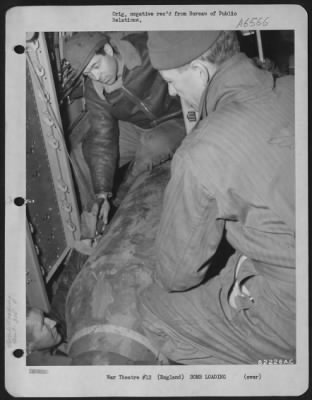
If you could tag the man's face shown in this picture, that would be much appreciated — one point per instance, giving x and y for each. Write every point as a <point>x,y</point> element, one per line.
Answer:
<point>44,332</point>
<point>185,83</point>
<point>102,68</point>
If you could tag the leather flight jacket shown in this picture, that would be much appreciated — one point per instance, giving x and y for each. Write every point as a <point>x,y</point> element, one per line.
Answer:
<point>142,99</point>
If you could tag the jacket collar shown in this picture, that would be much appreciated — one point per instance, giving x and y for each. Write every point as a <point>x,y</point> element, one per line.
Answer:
<point>236,78</point>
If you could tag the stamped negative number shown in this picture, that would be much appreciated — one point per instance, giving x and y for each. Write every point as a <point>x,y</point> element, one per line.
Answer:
<point>254,22</point>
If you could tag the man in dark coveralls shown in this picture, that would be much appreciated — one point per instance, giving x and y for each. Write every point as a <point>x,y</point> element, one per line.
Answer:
<point>132,117</point>
<point>232,176</point>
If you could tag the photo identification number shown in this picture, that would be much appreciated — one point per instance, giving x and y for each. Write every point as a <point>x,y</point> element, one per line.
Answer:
<point>254,22</point>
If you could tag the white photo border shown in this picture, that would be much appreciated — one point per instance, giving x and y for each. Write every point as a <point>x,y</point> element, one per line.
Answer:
<point>275,380</point>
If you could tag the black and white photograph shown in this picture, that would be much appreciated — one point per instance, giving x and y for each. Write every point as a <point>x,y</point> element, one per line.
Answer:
<point>159,201</point>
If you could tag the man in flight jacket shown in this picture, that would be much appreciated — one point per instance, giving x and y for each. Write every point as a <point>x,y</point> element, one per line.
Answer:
<point>131,115</point>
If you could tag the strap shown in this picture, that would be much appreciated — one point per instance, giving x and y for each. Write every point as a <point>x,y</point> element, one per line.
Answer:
<point>241,260</point>
<point>236,290</point>
<point>119,330</point>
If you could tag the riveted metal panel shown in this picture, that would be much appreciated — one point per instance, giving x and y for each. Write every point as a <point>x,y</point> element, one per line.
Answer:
<point>51,202</point>
<point>43,211</point>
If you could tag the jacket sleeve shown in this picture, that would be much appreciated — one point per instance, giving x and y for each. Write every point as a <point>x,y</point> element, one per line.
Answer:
<point>189,232</point>
<point>100,147</point>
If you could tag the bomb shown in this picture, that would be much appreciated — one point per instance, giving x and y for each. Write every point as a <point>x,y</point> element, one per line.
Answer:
<point>102,307</point>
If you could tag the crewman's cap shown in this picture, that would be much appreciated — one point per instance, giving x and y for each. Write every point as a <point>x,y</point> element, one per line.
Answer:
<point>173,49</point>
<point>81,47</point>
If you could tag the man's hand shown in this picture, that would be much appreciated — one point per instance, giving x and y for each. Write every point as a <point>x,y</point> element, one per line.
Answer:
<point>95,217</point>
<point>101,210</point>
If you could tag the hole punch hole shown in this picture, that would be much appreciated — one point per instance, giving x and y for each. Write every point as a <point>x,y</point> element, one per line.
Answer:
<point>18,353</point>
<point>19,49</point>
<point>19,201</point>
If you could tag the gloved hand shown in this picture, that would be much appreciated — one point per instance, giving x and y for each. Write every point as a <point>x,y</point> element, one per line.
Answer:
<point>101,209</point>
<point>95,217</point>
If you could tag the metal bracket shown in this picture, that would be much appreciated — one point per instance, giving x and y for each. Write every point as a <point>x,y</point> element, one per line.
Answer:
<point>54,158</point>
<point>51,124</point>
